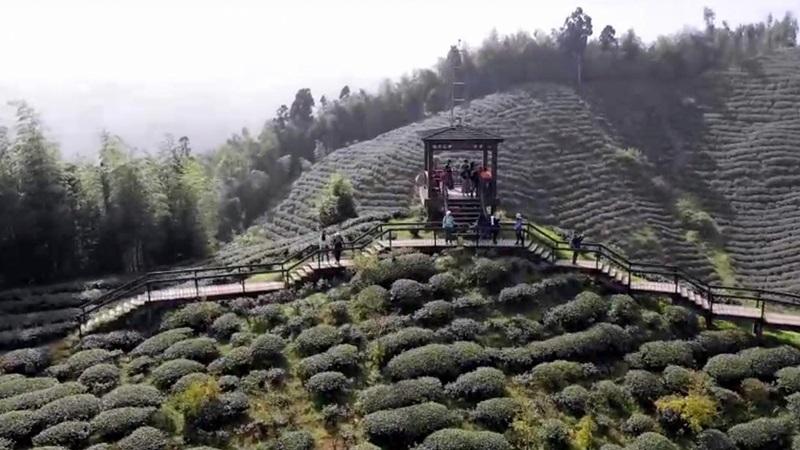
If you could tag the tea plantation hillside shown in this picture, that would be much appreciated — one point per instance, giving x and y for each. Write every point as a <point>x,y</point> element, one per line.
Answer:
<point>701,173</point>
<point>443,352</point>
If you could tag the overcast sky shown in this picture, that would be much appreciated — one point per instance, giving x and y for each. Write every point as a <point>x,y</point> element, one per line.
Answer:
<point>203,68</point>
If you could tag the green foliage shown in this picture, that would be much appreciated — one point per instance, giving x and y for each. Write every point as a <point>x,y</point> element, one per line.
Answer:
<point>517,330</point>
<point>16,386</point>
<point>267,349</point>
<point>643,385</point>
<point>480,384</point>
<point>69,434</point>
<point>788,380</point>
<point>371,302</point>
<point>407,424</point>
<point>487,272</point>
<point>761,433</point>
<point>408,294</point>
<point>225,325</point>
<point>652,441</point>
<point>574,399</point>
<point>554,375</point>
<point>328,386</point>
<point>697,410</point>
<point>456,439</point>
<point>82,360</point>
<point>713,439</point>
<point>402,393</point>
<point>165,375</point>
<point>682,321</point>
<point>144,438</point>
<point>114,340</point>
<point>198,316</point>
<point>444,285</point>
<point>554,434</point>
<point>18,425</point>
<point>26,361</point>
<point>624,310</point>
<point>437,360</point>
<point>295,440</point>
<point>74,407</point>
<point>586,309</point>
<point>657,355</point>
<point>191,401</point>
<point>496,414</point>
<point>116,423</point>
<point>437,312</point>
<point>156,345</point>
<point>611,396</point>
<point>336,204</point>
<point>38,398</point>
<point>100,379</point>
<point>317,339</point>
<point>342,358</point>
<point>132,395</point>
<point>202,349</point>
<point>638,424</point>
<point>693,217</point>
<point>392,344</point>
<point>521,293</point>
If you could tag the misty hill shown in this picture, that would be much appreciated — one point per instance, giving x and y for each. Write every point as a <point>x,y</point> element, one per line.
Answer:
<point>699,173</point>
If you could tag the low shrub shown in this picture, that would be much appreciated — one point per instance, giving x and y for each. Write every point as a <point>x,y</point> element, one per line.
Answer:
<point>471,302</point>
<point>155,345</point>
<point>715,342</point>
<point>408,294</point>
<point>480,384</point>
<point>84,359</point>
<point>70,434</point>
<point>518,330</point>
<point>657,355</point>
<point>328,386</point>
<point>487,272</point>
<point>496,413</point>
<point>623,310</point>
<point>124,340</point>
<point>443,285</point>
<point>755,391</point>
<point>295,440</point>
<point>165,375</point>
<point>371,302</point>
<point>222,410</point>
<point>457,439</point>
<point>682,321</point>
<point>788,380</point>
<point>100,379</point>
<point>229,383</point>
<point>336,313</point>
<point>133,395</point>
<point>612,396</point>
<point>438,360</point>
<point>402,393</point>
<point>18,425</point>
<point>644,386</point>
<point>694,411</point>
<point>374,328</point>
<point>268,316</point>
<point>140,365</point>
<point>38,398</point>
<point>236,362</point>
<point>342,358</point>
<point>115,423</point>
<point>761,434</point>
<point>188,380</point>
<point>198,316</point>
<point>764,362</point>
<point>437,312</point>
<point>144,438</point>
<point>638,424</point>
<point>242,338</point>
<point>727,369</point>
<point>74,407</point>
<point>555,375</point>
<point>652,441</point>
<point>267,350</point>
<point>26,361</point>
<point>407,424</point>
<point>574,399</point>
<point>317,339</point>
<point>16,386</point>
<point>225,325</point>
<point>201,349</point>
<point>521,293</point>
<point>554,434</point>
<point>461,329</point>
<point>713,439</point>
<point>586,309</point>
<point>392,344</point>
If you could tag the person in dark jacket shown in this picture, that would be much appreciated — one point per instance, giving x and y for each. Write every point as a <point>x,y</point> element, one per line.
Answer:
<point>518,227</point>
<point>338,246</point>
<point>494,228</point>
<point>575,243</point>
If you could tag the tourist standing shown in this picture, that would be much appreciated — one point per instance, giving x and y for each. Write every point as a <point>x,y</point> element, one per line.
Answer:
<point>518,231</point>
<point>323,247</point>
<point>575,243</point>
<point>494,226</point>
<point>449,226</point>
<point>338,245</point>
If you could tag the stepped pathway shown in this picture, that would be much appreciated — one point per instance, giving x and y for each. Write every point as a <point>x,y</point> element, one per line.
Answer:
<point>611,273</point>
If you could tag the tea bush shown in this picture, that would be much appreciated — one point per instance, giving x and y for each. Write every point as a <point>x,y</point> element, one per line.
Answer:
<point>144,438</point>
<point>480,384</point>
<point>574,399</point>
<point>70,434</point>
<point>328,386</point>
<point>198,316</point>
<point>236,362</point>
<point>225,326</point>
<point>100,379</point>
<point>371,302</point>
<point>496,414</point>
<point>456,439</point>
<point>26,361</point>
<point>267,349</point>
<point>586,309</point>
<point>437,312</point>
<point>116,423</point>
<point>652,441</point>
<point>408,294</point>
<point>16,386</point>
<point>295,440</point>
<point>165,375</point>
<point>82,360</point>
<point>124,340</point>
<point>623,310</point>
<point>713,439</point>
<point>156,345</point>
<point>402,393</point>
<point>443,285</point>
<point>644,386</point>
<point>133,395</point>
<point>74,407</point>
<point>342,358</point>
<point>38,398</point>
<point>202,349</point>
<point>657,355</point>
<point>18,425</point>
<point>392,344</point>
<point>554,434</point>
<point>317,339</point>
<point>761,433</point>
<point>638,424</point>
<point>438,360</point>
<point>407,424</point>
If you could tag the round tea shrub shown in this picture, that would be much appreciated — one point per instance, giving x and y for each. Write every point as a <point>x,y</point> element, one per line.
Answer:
<point>457,439</point>
<point>496,413</point>
<point>225,325</point>
<point>408,294</point>
<point>267,349</point>
<point>124,340</point>
<point>657,355</point>
<point>443,285</point>
<point>587,308</point>
<point>295,440</point>
<point>461,329</point>
<point>437,312</point>
<point>682,321</point>
<point>317,339</point>
<point>140,365</point>
<point>38,398</point>
<point>612,396</point>
<point>155,345</point>
<point>788,380</point>
<point>100,379</point>
<point>487,272</point>
<point>71,434</point>
<point>764,362</point>
<point>623,310</point>
<point>715,342</point>
<point>402,393</point>
<point>16,386</point>
<point>84,359</point>
<point>554,434</point>
<point>26,361</point>
<point>342,358</point>
<point>135,395</point>
<point>236,362</point>
<point>102,446</point>
<point>574,399</point>
<point>165,375</point>
<point>144,438</point>
<point>652,441</point>
<point>225,409</point>
<point>521,293</point>
<point>677,379</point>
<point>728,369</point>
<point>18,425</point>
<point>202,349</point>
<point>372,301</point>
<point>644,386</point>
<point>188,380</point>
<point>229,383</point>
<point>242,339</point>
<point>198,316</point>
<point>327,385</point>
<point>472,302</point>
<point>7,444</point>
<point>518,330</point>
<point>268,316</point>
<point>407,424</point>
<point>761,433</point>
<point>712,439</point>
<point>437,360</point>
<point>74,407</point>
<point>639,424</point>
<point>337,312</point>
<point>115,423</point>
<point>480,384</point>
<point>393,344</point>
<point>555,375</point>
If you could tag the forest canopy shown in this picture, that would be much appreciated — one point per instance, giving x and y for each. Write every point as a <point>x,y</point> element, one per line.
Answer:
<point>132,210</point>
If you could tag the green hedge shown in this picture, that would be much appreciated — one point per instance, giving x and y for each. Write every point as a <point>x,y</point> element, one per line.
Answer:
<point>407,424</point>
<point>435,313</point>
<point>715,342</point>
<point>644,386</point>
<point>267,349</point>
<point>657,355</point>
<point>18,425</point>
<point>713,439</point>
<point>456,439</point>
<point>727,369</point>
<point>555,375</point>
<point>518,330</point>
<point>682,321</point>
<point>328,385</point>
<point>70,434</point>
<point>554,434</point>
<point>342,358</point>
<point>144,438</point>
<point>101,378</point>
<point>155,346</point>
<point>444,285</point>
<point>612,396</point>
<point>27,361</point>
<point>74,407</point>
<point>37,399</point>
<point>135,395</point>
<point>575,399</point>
<point>115,423</point>
<point>225,325</point>
<point>521,293</point>
<point>124,340</point>
<point>413,266</point>
<point>402,393</point>
<point>437,360</point>
<point>461,329</point>
<point>268,316</point>
<point>487,272</point>
<point>317,339</point>
<point>788,380</point>
<point>295,440</point>
<point>496,413</point>
<point>16,386</point>
<point>677,379</point>
<point>586,309</point>
<point>236,362</point>
<point>82,360</point>
<point>371,302</point>
<point>763,433</point>
<point>623,310</point>
<point>393,344</point>
<point>408,294</point>
<point>186,381</point>
<point>165,375</point>
<point>480,384</point>
<point>638,424</point>
<point>201,349</point>
<point>652,441</point>
<point>198,316</point>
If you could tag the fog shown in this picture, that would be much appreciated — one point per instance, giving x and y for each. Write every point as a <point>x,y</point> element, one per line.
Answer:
<point>205,69</point>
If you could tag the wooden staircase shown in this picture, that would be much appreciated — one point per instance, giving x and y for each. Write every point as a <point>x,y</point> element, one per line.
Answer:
<point>465,210</point>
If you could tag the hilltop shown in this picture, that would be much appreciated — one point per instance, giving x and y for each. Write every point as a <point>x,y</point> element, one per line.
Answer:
<point>699,173</point>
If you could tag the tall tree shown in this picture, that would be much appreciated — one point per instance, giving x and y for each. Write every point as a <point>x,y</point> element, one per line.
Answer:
<point>574,36</point>
<point>608,38</point>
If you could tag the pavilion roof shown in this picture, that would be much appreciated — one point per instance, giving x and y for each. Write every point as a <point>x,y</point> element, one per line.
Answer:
<point>459,133</point>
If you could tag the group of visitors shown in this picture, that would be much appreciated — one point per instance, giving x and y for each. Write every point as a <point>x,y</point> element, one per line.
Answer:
<point>334,244</point>
<point>485,227</point>
<point>472,178</point>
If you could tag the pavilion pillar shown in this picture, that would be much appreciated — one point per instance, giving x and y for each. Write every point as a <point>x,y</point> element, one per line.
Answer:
<point>494,177</point>
<point>485,157</point>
